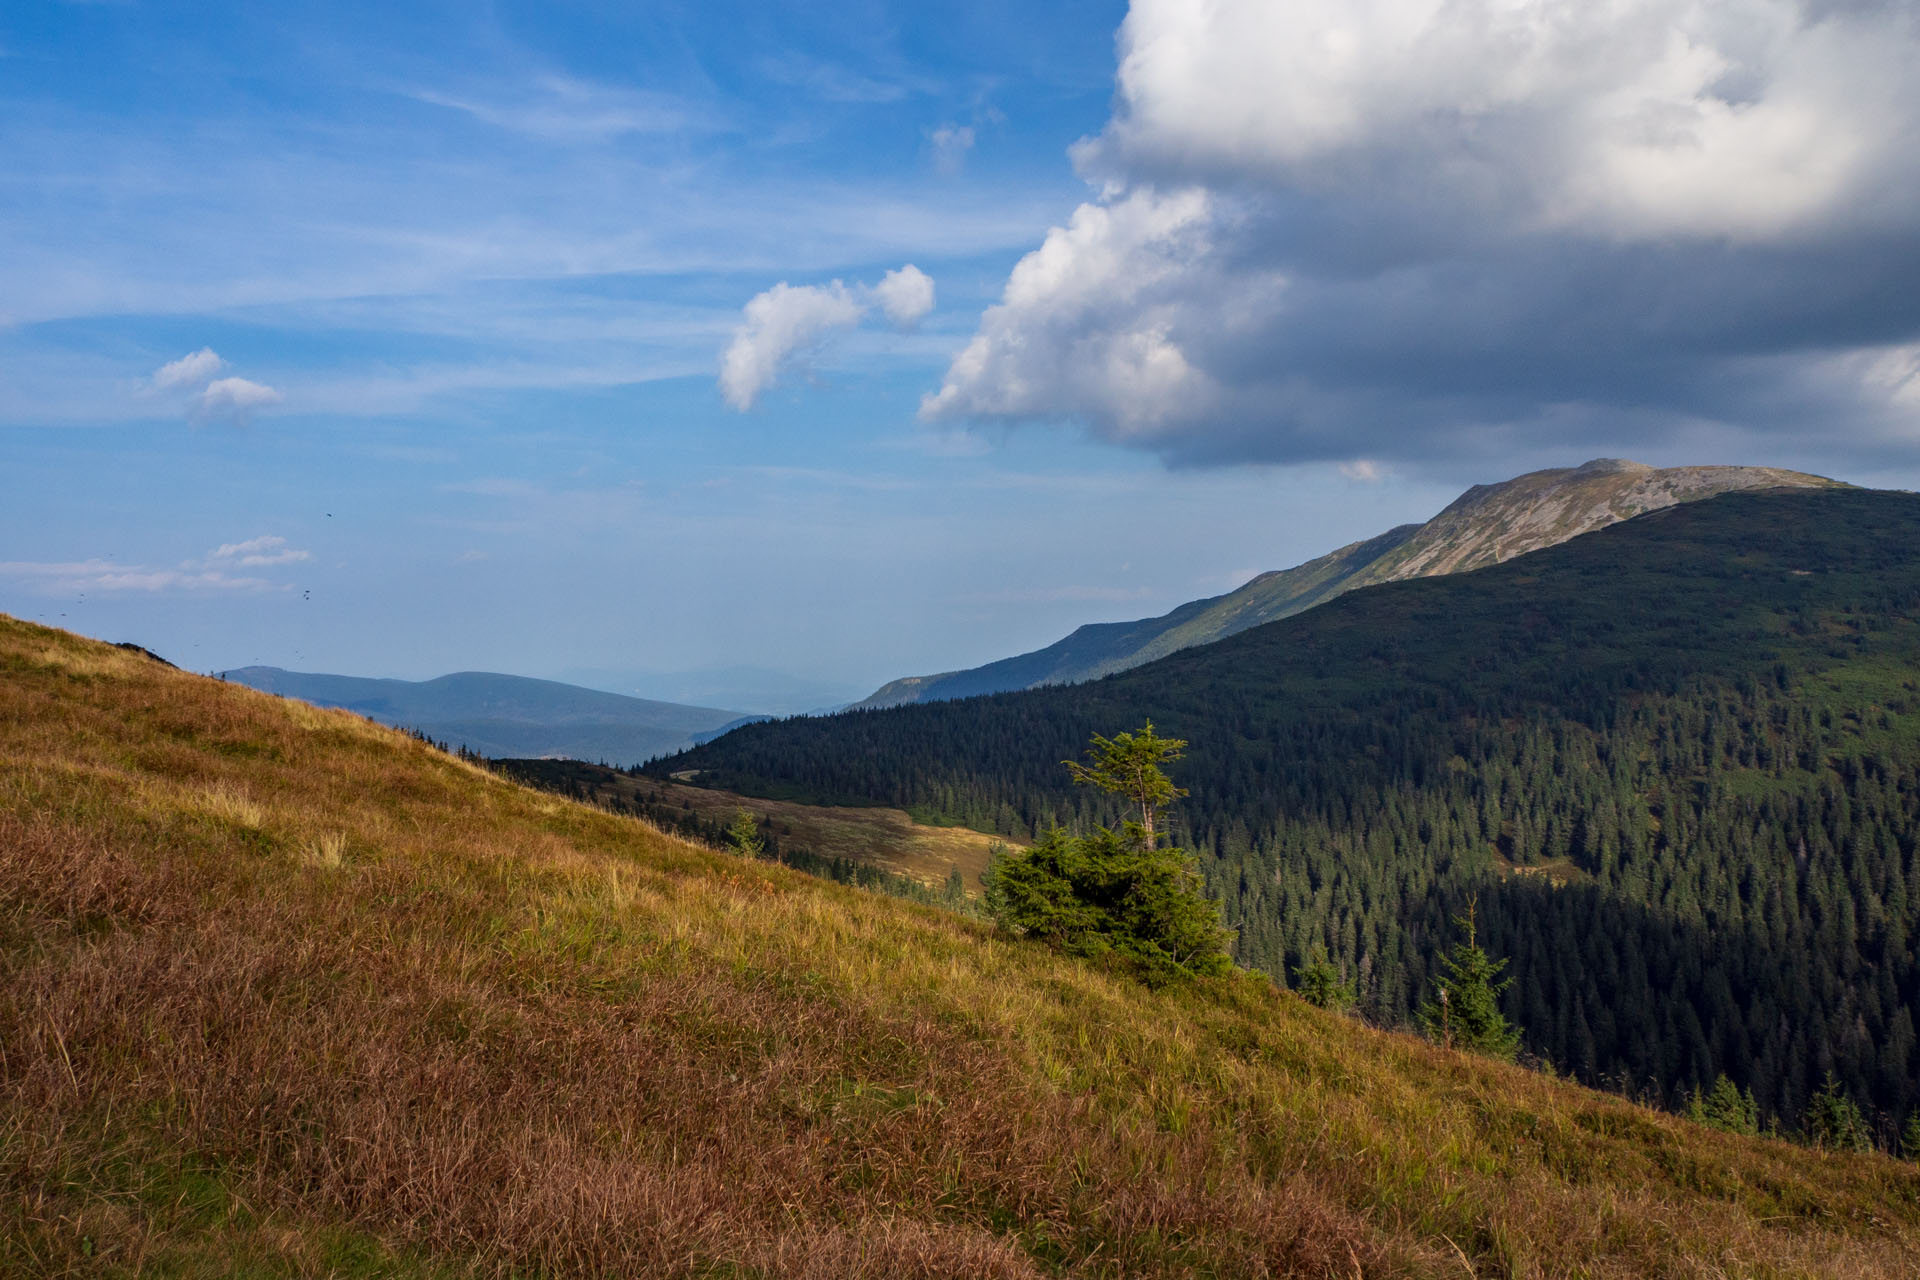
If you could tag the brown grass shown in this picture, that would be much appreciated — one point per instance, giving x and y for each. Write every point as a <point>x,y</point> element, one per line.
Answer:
<point>375,1012</point>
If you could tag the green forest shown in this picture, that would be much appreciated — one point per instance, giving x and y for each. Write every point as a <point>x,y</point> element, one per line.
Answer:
<point>1677,761</point>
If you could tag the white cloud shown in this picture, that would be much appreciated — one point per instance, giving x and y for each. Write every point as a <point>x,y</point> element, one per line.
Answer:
<point>1363,471</point>
<point>831,82</point>
<point>267,550</point>
<point>904,295</point>
<point>950,146</point>
<point>1416,226</point>
<point>187,371</point>
<point>234,399</point>
<point>788,320</point>
<point>569,110</point>
<point>1694,117</point>
<point>1088,322</point>
<point>778,323</point>
<point>105,575</point>
<point>212,572</point>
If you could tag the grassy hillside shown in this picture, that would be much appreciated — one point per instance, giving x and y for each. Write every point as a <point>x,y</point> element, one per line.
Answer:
<point>283,993</point>
<point>1486,525</point>
<point>499,715</point>
<point>1711,713</point>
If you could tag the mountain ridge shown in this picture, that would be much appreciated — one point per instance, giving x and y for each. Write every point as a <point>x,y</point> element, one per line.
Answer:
<point>1487,524</point>
<point>506,715</point>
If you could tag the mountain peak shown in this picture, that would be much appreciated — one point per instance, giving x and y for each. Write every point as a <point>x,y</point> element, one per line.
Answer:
<point>1494,522</point>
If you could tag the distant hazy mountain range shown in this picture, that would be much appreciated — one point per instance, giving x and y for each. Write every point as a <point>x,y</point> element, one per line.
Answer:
<point>1487,524</point>
<point>762,690</point>
<point>498,715</point>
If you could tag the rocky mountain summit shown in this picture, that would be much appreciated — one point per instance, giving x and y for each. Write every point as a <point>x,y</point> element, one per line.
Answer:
<point>1494,522</point>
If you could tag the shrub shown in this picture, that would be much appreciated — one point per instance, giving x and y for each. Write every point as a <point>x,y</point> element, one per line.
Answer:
<point>1319,983</point>
<point>1108,892</point>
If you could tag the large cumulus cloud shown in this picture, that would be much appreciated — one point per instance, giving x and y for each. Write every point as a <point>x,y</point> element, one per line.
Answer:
<point>1334,228</point>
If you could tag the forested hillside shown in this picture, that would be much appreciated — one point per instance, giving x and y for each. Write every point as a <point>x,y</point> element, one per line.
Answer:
<point>1677,760</point>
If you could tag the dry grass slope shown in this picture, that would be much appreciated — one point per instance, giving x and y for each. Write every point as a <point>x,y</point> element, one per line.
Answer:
<point>284,994</point>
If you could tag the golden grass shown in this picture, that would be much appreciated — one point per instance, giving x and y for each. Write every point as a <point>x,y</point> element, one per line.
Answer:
<point>328,850</point>
<point>376,1012</point>
<point>230,803</point>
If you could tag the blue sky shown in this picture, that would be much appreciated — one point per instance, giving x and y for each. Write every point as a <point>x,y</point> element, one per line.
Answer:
<point>387,339</point>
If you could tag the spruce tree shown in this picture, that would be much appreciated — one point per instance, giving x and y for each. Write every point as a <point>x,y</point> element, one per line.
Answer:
<point>1114,890</point>
<point>1910,1138</point>
<point>1725,1106</point>
<point>744,837</point>
<point>1466,1013</point>
<point>1129,763</point>
<point>1319,983</point>
<point>1834,1121</point>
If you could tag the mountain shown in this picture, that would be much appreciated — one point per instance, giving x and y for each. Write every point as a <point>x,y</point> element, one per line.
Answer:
<point>285,993</point>
<point>498,715</point>
<point>1485,525</point>
<point>760,690</point>
<point>1677,760</point>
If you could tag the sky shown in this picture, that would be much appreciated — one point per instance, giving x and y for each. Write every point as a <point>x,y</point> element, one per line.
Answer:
<point>771,352</point>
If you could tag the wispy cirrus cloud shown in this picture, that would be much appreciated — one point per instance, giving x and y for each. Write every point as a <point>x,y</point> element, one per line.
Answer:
<point>255,552</point>
<point>216,571</point>
<point>832,82</point>
<point>61,577</point>
<point>567,109</point>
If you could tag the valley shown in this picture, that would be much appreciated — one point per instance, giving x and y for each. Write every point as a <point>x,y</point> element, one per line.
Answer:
<point>888,840</point>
